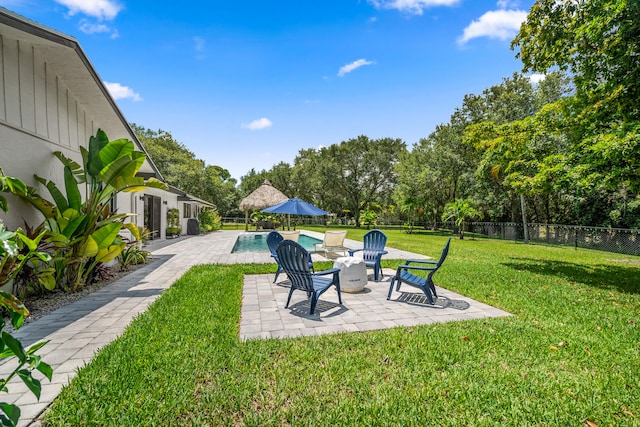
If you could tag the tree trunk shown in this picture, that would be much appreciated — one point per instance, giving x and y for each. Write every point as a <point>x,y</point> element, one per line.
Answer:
<point>524,219</point>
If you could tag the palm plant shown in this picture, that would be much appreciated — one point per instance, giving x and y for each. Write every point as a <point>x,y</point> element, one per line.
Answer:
<point>460,210</point>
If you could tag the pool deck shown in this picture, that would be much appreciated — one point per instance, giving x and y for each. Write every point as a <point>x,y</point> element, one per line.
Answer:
<point>77,331</point>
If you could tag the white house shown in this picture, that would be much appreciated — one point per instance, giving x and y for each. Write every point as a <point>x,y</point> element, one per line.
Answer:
<point>52,99</point>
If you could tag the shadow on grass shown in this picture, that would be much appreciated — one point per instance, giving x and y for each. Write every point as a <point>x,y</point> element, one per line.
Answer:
<point>623,279</point>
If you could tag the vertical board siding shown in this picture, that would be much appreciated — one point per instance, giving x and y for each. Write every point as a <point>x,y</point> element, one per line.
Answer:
<point>3,111</point>
<point>73,123</point>
<point>40,93</point>
<point>83,138</point>
<point>52,106</point>
<point>33,97</point>
<point>27,90</point>
<point>63,114</point>
<point>12,82</point>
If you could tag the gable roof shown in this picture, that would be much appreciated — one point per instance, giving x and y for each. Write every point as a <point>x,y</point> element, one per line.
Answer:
<point>66,57</point>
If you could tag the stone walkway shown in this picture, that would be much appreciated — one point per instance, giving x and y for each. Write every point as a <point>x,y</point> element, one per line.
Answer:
<point>76,331</point>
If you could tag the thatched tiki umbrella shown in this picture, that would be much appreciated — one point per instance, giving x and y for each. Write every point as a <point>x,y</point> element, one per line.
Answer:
<point>264,196</point>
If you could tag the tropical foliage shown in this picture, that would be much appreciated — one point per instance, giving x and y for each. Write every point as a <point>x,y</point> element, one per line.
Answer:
<point>460,211</point>
<point>209,220</point>
<point>12,261</point>
<point>566,143</point>
<point>131,255</point>
<point>180,168</point>
<point>84,231</point>
<point>27,360</point>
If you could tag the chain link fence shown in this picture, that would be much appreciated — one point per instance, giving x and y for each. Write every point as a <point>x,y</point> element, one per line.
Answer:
<point>618,240</point>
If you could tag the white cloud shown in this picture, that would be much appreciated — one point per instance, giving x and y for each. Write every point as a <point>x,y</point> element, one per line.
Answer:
<point>100,9</point>
<point>496,24</point>
<point>200,46</point>
<point>94,28</point>
<point>261,123</point>
<point>536,78</point>
<point>352,66</point>
<point>415,7</point>
<point>504,4</point>
<point>312,101</point>
<point>122,92</point>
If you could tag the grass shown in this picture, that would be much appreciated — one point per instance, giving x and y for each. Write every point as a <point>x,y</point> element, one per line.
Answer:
<point>569,356</point>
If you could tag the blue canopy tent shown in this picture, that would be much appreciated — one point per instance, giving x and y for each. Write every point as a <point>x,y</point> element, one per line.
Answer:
<point>295,206</point>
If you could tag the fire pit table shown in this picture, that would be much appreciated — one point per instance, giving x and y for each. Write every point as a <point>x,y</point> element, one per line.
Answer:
<point>353,273</point>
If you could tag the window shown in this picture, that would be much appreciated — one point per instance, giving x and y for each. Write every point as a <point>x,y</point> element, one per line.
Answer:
<point>187,211</point>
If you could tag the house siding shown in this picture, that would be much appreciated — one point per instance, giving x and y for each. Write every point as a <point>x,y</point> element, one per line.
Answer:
<point>38,115</point>
<point>36,101</point>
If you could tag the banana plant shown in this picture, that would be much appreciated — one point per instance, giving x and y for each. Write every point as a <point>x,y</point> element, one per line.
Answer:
<point>82,227</point>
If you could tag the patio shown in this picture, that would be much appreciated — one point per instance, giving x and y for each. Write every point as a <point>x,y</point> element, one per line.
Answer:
<point>78,330</point>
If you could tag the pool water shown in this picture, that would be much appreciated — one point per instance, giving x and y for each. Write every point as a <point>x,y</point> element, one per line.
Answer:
<point>258,243</point>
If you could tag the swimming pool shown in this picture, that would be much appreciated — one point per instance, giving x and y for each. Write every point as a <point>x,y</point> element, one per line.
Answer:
<point>258,243</point>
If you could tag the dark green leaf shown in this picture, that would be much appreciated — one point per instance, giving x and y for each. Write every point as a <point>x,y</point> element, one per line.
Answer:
<point>12,413</point>
<point>73,191</point>
<point>15,346</point>
<point>33,384</point>
<point>45,369</point>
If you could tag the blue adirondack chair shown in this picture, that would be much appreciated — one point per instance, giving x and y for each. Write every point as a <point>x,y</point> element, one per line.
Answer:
<point>273,240</point>
<point>294,260</point>
<point>373,249</point>
<point>425,284</point>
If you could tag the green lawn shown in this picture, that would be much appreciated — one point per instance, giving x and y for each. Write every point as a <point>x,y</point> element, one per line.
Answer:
<point>571,353</point>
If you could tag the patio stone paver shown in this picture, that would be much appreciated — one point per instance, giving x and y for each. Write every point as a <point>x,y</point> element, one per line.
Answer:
<point>77,331</point>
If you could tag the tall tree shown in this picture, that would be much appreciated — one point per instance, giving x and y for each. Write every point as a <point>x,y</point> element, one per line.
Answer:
<point>180,168</point>
<point>360,170</point>
<point>597,42</point>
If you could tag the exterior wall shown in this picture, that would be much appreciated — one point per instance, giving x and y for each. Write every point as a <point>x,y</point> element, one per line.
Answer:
<point>38,115</point>
<point>183,218</point>
<point>50,101</point>
<point>35,99</point>
<point>168,200</point>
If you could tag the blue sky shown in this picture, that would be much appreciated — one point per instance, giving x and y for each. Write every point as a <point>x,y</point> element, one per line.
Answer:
<point>247,84</point>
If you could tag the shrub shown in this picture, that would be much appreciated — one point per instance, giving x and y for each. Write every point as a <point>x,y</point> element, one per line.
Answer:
<point>16,250</point>
<point>209,220</point>
<point>86,232</point>
<point>132,255</point>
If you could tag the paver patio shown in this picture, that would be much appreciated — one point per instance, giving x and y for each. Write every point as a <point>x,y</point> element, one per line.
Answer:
<point>76,331</point>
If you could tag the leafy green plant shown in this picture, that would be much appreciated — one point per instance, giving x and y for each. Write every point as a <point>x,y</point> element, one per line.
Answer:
<point>209,220</point>
<point>9,184</point>
<point>144,233</point>
<point>11,264</point>
<point>262,219</point>
<point>28,360</point>
<point>460,211</point>
<point>368,218</point>
<point>173,222</point>
<point>86,233</point>
<point>132,255</point>
<point>22,262</point>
